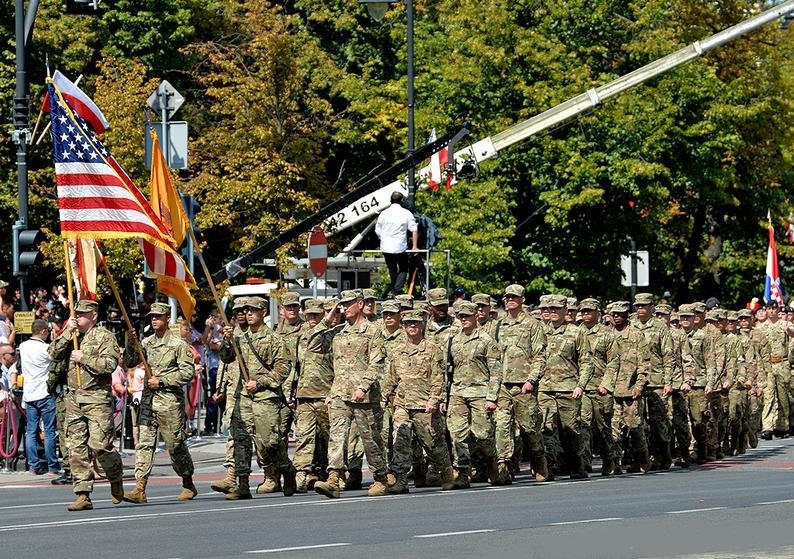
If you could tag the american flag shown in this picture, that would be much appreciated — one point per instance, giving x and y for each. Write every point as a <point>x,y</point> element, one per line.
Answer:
<point>96,197</point>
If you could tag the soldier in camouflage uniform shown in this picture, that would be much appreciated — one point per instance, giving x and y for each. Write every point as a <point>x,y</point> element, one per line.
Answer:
<point>358,361</point>
<point>476,371</point>
<point>660,382</point>
<point>484,308</point>
<point>57,383</point>
<point>569,367</point>
<point>313,387</point>
<point>171,363</point>
<point>393,337</point>
<point>678,406</point>
<point>443,325</point>
<point>628,421</point>
<point>259,398</point>
<point>755,375</point>
<point>522,344</point>
<point>415,384</point>
<point>597,402</point>
<point>718,395</point>
<point>735,439</point>
<point>89,402</point>
<point>775,418</point>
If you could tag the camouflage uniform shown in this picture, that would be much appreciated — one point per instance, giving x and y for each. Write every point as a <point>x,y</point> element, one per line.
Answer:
<point>718,398</point>
<point>776,391</point>
<point>89,404</point>
<point>683,367</point>
<point>569,365</point>
<point>171,360</point>
<point>736,434</point>
<point>476,379</point>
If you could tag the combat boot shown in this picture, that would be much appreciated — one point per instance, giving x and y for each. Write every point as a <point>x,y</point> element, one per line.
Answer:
<point>353,481</point>
<point>378,487</point>
<point>290,483</point>
<point>301,482</point>
<point>270,484</point>
<point>330,487</point>
<point>117,491</point>
<point>188,489</point>
<point>241,491</point>
<point>137,495</point>
<point>493,472</point>
<point>400,485</point>
<point>420,476</point>
<point>83,502</point>
<point>461,478</point>
<point>541,467</point>
<point>391,479</point>
<point>226,484</point>
<point>752,438</point>
<point>503,476</point>
<point>447,478</point>
<point>606,467</point>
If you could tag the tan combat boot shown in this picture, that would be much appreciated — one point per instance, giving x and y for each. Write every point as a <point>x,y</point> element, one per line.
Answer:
<point>83,502</point>
<point>400,485</point>
<point>330,487</point>
<point>290,484</point>
<point>270,484</point>
<point>301,482</point>
<point>462,479</point>
<point>447,478</point>
<point>188,489</point>
<point>226,484</point>
<point>503,476</point>
<point>493,473</point>
<point>117,491</point>
<point>241,490</point>
<point>541,467</point>
<point>379,487</point>
<point>137,495</point>
<point>353,481</point>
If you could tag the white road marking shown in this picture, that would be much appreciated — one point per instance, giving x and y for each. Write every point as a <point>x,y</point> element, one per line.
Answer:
<point>298,548</point>
<point>687,511</point>
<point>608,519</point>
<point>445,534</point>
<point>776,502</point>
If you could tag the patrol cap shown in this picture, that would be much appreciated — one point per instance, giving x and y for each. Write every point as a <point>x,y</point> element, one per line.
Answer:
<point>721,314</point>
<point>240,303</point>
<point>329,304</point>
<point>368,294</point>
<point>674,317</point>
<point>156,308</point>
<point>257,303</point>
<point>543,301</point>
<point>712,316</point>
<point>589,304</point>
<point>556,301</point>
<point>620,307</point>
<point>313,306</point>
<point>413,316</point>
<point>699,307</point>
<point>405,301</point>
<point>481,299</point>
<point>744,313</point>
<point>390,306</point>
<point>290,298</point>
<point>438,297</point>
<point>687,309</point>
<point>466,308</point>
<point>643,299</point>
<point>349,295</point>
<point>572,303</point>
<point>87,305</point>
<point>663,308</point>
<point>515,289</point>
<point>732,316</point>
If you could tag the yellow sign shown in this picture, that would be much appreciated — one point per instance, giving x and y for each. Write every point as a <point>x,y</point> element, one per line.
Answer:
<point>23,321</point>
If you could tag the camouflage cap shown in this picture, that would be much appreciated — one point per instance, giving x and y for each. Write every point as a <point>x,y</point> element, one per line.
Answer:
<point>290,298</point>
<point>557,301</point>
<point>663,308</point>
<point>732,316</point>
<point>699,307</point>
<point>465,308</point>
<point>712,316</point>
<point>572,303</point>
<point>543,301</point>
<point>744,313</point>
<point>87,305</point>
<point>390,306</point>
<point>589,304</point>
<point>405,301</point>
<point>687,309</point>
<point>674,317</point>
<point>438,296</point>
<point>156,308</point>
<point>349,295</point>
<point>722,314</point>
<point>413,316</point>
<point>515,289</point>
<point>643,299</point>
<point>369,293</point>
<point>240,303</point>
<point>620,307</point>
<point>481,299</point>
<point>329,304</point>
<point>313,306</point>
<point>257,303</point>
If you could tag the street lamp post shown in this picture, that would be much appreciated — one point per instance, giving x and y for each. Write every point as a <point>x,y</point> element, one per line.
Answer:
<point>377,9</point>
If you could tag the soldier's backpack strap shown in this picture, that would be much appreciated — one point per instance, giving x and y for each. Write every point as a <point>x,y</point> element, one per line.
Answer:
<point>261,360</point>
<point>496,334</point>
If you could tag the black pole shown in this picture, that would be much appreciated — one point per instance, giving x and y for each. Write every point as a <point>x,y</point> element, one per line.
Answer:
<point>20,135</point>
<point>411,146</point>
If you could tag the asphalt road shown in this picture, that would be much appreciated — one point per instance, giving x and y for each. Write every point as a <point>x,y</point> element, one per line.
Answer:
<point>741,507</point>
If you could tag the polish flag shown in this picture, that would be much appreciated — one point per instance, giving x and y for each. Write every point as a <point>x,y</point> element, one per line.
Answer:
<point>80,103</point>
<point>438,166</point>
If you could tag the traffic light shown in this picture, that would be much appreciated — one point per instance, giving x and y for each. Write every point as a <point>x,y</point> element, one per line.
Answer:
<point>26,249</point>
<point>191,209</point>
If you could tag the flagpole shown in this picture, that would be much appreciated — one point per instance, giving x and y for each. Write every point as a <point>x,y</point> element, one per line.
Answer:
<point>221,310</point>
<point>69,288</point>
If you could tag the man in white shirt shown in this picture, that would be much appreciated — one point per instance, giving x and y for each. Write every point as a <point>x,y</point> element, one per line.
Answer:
<point>392,229</point>
<point>39,403</point>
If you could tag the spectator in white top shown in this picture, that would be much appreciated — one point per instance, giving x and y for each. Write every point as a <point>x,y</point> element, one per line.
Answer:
<point>39,403</point>
<point>392,228</point>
